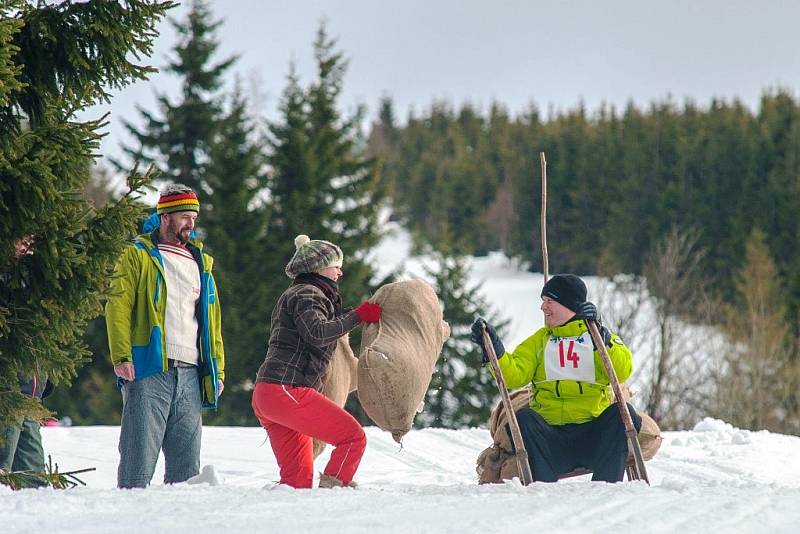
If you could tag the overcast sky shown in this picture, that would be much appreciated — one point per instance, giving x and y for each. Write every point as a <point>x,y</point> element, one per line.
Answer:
<point>551,53</point>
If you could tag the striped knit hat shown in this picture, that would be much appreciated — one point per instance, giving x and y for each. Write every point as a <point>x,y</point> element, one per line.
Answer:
<point>177,197</point>
<point>313,255</point>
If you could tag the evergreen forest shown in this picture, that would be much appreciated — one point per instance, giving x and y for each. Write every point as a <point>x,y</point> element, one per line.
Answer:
<point>468,182</point>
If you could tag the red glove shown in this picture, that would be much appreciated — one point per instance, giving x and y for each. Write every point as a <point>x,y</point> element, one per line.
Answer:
<point>369,312</point>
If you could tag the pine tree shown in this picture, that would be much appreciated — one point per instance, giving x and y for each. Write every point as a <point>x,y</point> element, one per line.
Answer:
<point>179,136</point>
<point>383,143</point>
<point>93,396</point>
<point>321,182</point>
<point>55,60</point>
<point>235,228</point>
<point>462,392</point>
<point>206,143</point>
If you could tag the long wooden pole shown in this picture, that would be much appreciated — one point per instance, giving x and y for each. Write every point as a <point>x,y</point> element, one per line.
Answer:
<point>638,471</point>
<point>523,465</point>
<point>545,258</point>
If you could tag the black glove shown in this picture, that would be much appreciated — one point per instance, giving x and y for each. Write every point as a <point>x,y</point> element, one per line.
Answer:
<point>605,334</point>
<point>477,338</point>
<point>588,312</point>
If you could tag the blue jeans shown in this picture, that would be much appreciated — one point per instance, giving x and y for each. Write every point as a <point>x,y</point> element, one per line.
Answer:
<point>160,412</point>
<point>22,450</point>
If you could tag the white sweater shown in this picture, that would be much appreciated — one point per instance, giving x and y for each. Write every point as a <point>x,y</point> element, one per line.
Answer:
<point>183,291</point>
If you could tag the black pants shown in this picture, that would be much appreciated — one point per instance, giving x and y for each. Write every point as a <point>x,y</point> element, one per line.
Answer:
<point>599,445</point>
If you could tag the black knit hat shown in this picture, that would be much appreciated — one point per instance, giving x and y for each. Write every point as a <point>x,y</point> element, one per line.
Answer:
<point>566,289</point>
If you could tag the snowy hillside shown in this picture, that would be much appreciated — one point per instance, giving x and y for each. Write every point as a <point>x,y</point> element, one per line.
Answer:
<point>512,292</point>
<point>712,479</point>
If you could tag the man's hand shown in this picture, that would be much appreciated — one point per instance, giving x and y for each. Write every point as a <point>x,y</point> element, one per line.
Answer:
<point>477,337</point>
<point>220,387</point>
<point>125,371</point>
<point>588,312</point>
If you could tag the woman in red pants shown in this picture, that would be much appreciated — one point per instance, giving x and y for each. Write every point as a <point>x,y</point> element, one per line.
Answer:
<point>307,321</point>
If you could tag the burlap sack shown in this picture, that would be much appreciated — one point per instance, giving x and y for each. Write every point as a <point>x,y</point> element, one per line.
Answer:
<point>499,419</point>
<point>497,462</point>
<point>649,434</point>
<point>649,437</point>
<point>340,379</point>
<point>398,354</point>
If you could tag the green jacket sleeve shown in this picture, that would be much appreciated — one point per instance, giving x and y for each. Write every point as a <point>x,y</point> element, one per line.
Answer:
<point>217,347</point>
<point>621,359</point>
<point>119,307</point>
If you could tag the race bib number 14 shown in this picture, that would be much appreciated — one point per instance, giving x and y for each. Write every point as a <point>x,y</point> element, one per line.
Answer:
<point>569,358</point>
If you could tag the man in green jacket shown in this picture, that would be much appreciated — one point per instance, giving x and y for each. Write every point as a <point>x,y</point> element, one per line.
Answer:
<point>165,338</point>
<point>571,421</point>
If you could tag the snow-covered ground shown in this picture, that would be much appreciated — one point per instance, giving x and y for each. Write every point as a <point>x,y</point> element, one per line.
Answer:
<point>714,478</point>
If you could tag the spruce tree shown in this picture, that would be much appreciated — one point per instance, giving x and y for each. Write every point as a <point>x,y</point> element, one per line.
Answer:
<point>204,140</point>
<point>54,61</point>
<point>235,228</point>
<point>462,392</point>
<point>93,396</point>
<point>321,182</point>
<point>178,137</point>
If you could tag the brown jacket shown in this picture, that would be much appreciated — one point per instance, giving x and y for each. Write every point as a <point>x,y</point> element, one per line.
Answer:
<point>303,337</point>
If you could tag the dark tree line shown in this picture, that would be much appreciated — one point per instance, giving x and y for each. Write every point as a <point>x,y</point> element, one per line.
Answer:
<point>618,182</point>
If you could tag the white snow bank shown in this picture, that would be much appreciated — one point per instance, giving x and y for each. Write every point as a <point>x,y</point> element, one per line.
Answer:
<point>704,480</point>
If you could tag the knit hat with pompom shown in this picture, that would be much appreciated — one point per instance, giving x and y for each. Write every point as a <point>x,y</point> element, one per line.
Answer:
<point>313,255</point>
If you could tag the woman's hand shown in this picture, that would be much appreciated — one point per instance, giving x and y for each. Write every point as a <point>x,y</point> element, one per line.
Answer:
<point>369,312</point>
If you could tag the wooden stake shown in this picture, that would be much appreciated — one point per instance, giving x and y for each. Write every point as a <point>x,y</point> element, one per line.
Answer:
<point>516,435</point>
<point>545,260</point>
<point>637,471</point>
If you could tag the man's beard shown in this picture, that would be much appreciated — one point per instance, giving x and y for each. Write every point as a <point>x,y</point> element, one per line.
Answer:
<point>178,234</point>
<point>185,232</point>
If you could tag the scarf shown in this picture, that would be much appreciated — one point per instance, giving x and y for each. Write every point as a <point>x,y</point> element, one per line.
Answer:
<point>329,287</point>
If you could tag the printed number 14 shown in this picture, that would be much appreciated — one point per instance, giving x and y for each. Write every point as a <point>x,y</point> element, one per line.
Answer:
<point>571,356</point>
